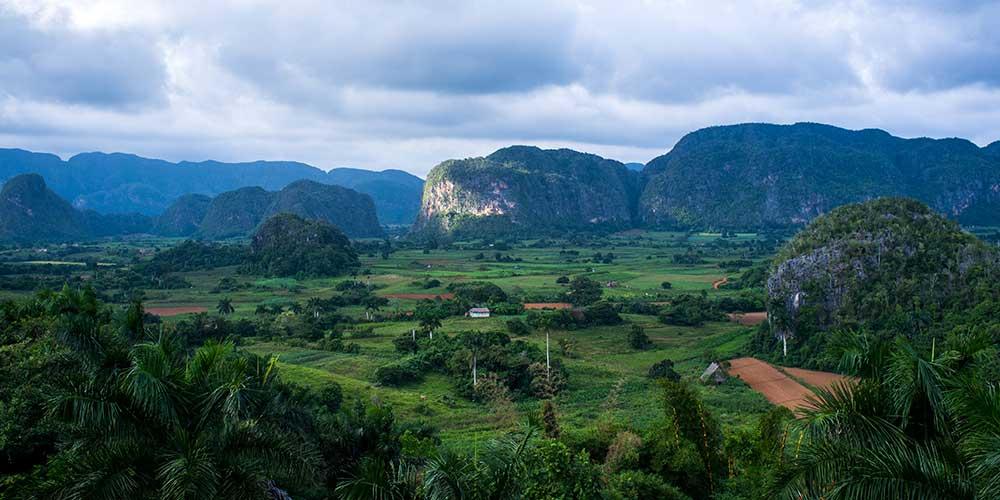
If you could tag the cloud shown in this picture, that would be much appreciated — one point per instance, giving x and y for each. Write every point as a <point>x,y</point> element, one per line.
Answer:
<point>390,84</point>
<point>60,64</point>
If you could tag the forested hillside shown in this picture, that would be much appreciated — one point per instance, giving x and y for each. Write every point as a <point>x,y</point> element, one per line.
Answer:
<point>761,175</point>
<point>238,213</point>
<point>887,267</point>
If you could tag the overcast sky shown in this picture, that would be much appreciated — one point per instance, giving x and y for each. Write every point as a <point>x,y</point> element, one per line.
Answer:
<point>407,84</point>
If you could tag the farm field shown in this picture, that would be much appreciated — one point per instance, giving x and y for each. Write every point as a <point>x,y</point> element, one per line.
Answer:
<point>781,385</point>
<point>607,379</point>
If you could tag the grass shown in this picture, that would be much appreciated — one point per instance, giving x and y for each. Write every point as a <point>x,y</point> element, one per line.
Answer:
<point>601,359</point>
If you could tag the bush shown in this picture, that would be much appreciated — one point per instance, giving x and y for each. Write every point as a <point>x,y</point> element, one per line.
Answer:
<point>603,313</point>
<point>562,280</point>
<point>399,373</point>
<point>517,327</point>
<point>331,396</point>
<point>638,485</point>
<point>478,292</point>
<point>584,291</point>
<point>666,285</point>
<point>554,471</point>
<point>664,369</point>
<point>690,310</point>
<point>637,338</point>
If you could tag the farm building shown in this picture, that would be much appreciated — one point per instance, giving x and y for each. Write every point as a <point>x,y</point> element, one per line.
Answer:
<point>478,312</point>
<point>714,374</point>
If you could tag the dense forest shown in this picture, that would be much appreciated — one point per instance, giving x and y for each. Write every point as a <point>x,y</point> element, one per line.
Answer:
<point>887,267</point>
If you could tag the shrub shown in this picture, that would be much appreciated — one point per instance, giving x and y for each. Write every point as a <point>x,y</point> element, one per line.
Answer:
<point>517,327</point>
<point>664,369</point>
<point>637,338</point>
<point>399,373</point>
<point>603,313</point>
<point>638,485</point>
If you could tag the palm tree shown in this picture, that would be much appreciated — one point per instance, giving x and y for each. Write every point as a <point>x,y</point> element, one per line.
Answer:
<point>316,305</point>
<point>495,473</point>
<point>160,422</point>
<point>225,306</point>
<point>917,423</point>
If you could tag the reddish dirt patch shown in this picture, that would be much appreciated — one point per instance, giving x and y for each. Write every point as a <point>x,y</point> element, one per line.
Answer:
<point>748,319</point>
<point>174,311</point>
<point>548,305</point>
<point>419,296</point>
<point>777,387</point>
<point>821,380</point>
<point>719,282</point>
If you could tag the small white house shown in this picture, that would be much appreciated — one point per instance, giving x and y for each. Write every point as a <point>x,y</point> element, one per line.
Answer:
<point>478,312</point>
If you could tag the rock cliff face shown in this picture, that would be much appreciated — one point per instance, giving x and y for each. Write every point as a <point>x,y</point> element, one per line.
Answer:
<point>872,265</point>
<point>521,189</point>
<point>760,175</point>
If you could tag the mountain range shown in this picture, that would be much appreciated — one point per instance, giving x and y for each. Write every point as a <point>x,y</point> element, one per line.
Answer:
<point>30,211</point>
<point>125,183</point>
<point>747,176</point>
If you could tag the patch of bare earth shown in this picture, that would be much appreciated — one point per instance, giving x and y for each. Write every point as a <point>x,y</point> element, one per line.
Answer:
<point>777,386</point>
<point>174,311</point>
<point>547,305</point>
<point>749,318</point>
<point>419,296</point>
<point>719,282</point>
<point>820,380</point>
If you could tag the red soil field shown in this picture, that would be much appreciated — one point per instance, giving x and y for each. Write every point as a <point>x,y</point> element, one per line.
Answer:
<point>748,319</point>
<point>418,296</point>
<point>174,311</point>
<point>822,380</point>
<point>548,305</point>
<point>776,386</point>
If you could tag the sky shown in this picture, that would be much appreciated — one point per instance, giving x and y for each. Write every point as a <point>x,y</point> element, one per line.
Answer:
<point>407,84</point>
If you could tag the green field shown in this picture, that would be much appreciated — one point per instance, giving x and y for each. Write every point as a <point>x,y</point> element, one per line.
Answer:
<point>599,362</point>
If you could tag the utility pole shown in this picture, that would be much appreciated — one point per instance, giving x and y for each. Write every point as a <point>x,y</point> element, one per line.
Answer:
<point>548,364</point>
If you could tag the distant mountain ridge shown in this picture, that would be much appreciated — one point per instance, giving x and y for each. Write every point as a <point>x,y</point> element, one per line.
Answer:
<point>31,212</point>
<point>123,183</point>
<point>240,212</point>
<point>748,176</point>
<point>760,175</point>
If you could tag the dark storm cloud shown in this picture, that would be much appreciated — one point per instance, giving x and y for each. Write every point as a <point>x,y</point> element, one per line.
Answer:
<point>99,69</point>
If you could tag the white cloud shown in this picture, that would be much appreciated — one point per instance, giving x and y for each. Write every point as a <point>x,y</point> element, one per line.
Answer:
<point>408,84</point>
